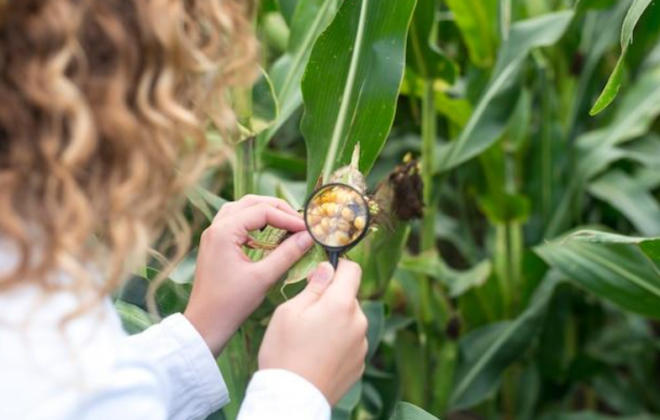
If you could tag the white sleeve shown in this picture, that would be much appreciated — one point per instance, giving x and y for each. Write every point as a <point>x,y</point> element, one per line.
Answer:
<point>275,394</point>
<point>196,387</point>
<point>132,391</point>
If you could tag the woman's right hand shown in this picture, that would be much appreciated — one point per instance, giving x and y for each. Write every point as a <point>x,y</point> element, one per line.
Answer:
<point>321,333</point>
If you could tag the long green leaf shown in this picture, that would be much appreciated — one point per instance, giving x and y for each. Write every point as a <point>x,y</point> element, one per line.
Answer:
<point>650,246</point>
<point>491,114</point>
<point>477,20</point>
<point>424,57</point>
<point>406,411</point>
<point>287,7</point>
<point>134,319</point>
<point>590,415</point>
<point>311,17</point>
<point>619,273</point>
<point>614,83</point>
<point>597,150</point>
<point>344,408</point>
<point>630,198</point>
<point>487,351</point>
<point>351,84</point>
<point>234,365</point>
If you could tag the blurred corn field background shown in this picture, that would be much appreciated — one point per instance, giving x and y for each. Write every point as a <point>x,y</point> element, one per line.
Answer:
<point>514,148</point>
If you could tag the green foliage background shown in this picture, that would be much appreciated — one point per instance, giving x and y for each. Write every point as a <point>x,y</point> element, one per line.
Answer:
<point>536,125</point>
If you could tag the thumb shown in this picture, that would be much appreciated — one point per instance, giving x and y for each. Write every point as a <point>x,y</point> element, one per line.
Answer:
<point>275,264</point>
<point>319,280</point>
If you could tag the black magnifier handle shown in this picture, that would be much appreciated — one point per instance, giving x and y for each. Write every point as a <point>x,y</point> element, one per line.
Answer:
<point>333,257</point>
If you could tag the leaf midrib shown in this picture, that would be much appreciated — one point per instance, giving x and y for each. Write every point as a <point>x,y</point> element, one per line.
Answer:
<point>481,109</point>
<point>346,96</point>
<point>472,374</point>
<point>638,281</point>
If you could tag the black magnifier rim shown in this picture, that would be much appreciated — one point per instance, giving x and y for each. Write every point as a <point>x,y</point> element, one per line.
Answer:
<point>357,240</point>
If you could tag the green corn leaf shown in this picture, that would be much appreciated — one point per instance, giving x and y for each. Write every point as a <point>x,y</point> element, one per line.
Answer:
<point>375,313</point>
<point>310,18</point>
<point>207,202</point>
<point>486,352</point>
<point>582,6</point>
<point>299,271</point>
<point>344,408</point>
<point>493,110</point>
<point>234,365</point>
<point>631,198</point>
<point>287,8</point>
<point>134,319</point>
<point>650,246</point>
<point>590,415</point>
<point>351,84</point>
<point>598,149</point>
<point>616,271</point>
<point>378,255</point>
<point>614,83</point>
<point>406,411</point>
<point>477,21</point>
<point>424,57</point>
<point>263,109</point>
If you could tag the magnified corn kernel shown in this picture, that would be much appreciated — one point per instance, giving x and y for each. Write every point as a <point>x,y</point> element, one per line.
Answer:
<point>341,238</point>
<point>343,225</point>
<point>337,216</point>
<point>318,232</point>
<point>347,214</point>
<point>333,209</point>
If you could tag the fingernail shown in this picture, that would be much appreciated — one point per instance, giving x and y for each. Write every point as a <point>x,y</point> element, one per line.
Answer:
<point>323,273</point>
<point>304,240</point>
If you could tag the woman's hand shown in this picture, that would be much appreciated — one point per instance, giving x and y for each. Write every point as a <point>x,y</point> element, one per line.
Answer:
<point>321,333</point>
<point>228,286</point>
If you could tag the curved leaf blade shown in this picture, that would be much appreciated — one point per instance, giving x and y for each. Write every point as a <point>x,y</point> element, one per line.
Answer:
<point>636,112</point>
<point>310,18</point>
<point>351,83</point>
<point>614,82</point>
<point>633,200</point>
<point>650,246</point>
<point>491,114</point>
<point>407,411</point>
<point>487,351</point>
<point>618,272</point>
<point>477,22</point>
<point>424,57</point>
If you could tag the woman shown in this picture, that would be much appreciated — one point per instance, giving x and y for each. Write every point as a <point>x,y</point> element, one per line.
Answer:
<point>103,105</point>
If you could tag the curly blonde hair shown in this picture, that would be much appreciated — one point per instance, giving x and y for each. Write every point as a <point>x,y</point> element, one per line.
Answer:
<point>103,110</point>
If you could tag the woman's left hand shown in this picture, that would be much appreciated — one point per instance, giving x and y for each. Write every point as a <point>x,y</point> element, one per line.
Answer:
<point>228,286</point>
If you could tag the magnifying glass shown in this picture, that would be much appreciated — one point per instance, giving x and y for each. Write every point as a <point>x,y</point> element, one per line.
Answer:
<point>337,217</point>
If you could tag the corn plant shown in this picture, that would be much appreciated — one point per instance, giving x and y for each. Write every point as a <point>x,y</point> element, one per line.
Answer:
<point>513,149</point>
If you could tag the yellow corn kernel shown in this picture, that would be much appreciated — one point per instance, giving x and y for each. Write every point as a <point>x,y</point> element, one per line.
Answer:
<point>330,209</point>
<point>341,238</point>
<point>347,214</point>
<point>359,223</point>
<point>318,232</point>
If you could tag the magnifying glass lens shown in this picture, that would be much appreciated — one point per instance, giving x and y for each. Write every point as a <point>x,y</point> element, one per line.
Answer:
<point>337,215</point>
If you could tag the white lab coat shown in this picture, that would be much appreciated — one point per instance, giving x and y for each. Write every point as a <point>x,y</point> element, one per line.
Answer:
<point>91,370</point>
